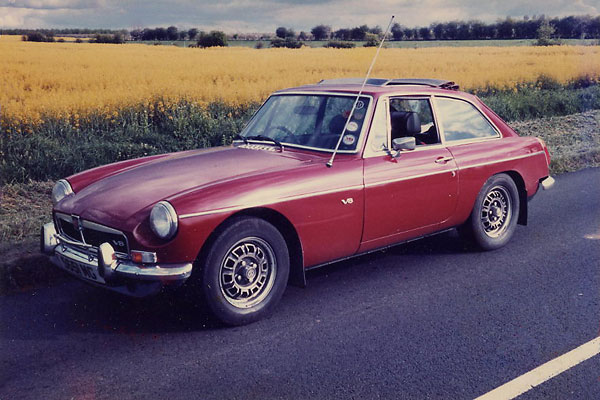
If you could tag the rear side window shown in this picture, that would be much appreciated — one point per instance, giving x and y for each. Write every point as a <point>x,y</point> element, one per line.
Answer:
<point>461,120</point>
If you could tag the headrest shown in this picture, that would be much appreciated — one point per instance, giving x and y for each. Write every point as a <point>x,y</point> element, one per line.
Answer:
<point>405,123</point>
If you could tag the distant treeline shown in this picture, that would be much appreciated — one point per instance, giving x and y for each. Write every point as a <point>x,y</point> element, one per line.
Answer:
<point>64,32</point>
<point>571,27</point>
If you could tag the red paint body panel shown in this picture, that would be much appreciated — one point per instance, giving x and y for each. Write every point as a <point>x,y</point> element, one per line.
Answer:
<point>358,205</point>
<point>407,193</point>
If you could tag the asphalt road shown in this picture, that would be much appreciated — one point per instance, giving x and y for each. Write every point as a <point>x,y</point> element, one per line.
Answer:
<point>429,319</point>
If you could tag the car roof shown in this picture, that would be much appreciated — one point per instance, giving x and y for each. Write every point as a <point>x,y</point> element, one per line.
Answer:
<point>378,86</point>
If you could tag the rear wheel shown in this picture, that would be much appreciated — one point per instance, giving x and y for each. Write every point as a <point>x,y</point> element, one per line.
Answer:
<point>494,217</point>
<point>245,271</point>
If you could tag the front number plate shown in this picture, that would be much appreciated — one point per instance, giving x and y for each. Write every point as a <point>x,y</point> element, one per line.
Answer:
<point>85,271</point>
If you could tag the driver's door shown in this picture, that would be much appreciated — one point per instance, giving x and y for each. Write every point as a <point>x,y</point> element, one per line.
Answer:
<point>411,194</point>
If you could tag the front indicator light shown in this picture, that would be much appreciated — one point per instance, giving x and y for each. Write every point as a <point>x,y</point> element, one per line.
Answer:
<point>143,257</point>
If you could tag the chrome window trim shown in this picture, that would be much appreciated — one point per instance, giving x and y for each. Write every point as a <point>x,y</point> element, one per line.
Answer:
<point>368,152</point>
<point>361,137</point>
<point>442,131</point>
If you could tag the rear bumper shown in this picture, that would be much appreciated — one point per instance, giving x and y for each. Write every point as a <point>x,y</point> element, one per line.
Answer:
<point>547,183</point>
<point>123,275</point>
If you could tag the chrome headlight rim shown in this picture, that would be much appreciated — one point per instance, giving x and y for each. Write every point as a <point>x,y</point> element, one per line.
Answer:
<point>62,188</point>
<point>163,209</point>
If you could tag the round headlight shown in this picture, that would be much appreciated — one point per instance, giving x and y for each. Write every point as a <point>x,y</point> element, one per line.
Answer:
<point>61,190</point>
<point>163,220</point>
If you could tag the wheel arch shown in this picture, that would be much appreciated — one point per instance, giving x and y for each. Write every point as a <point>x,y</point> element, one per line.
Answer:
<point>520,183</point>
<point>283,225</point>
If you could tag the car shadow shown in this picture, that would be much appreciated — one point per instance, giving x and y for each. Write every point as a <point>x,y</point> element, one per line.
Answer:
<point>445,243</point>
<point>81,307</point>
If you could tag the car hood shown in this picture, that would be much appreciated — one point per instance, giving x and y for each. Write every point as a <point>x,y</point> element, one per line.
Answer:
<point>117,197</point>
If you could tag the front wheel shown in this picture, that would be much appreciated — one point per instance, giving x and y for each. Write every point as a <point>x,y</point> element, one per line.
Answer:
<point>494,217</point>
<point>245,271</point>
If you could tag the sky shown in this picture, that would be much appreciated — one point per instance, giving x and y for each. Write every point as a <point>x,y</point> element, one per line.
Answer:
<point>245,16</point>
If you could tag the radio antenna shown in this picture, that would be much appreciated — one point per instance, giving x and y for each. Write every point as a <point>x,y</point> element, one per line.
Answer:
<point>337,146</point>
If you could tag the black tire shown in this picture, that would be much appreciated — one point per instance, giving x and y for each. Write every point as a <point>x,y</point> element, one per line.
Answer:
<point>494,217</point>
<point>245,271</point>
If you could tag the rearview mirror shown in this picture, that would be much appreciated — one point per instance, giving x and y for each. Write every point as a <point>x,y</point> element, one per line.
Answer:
<point>404,143</point>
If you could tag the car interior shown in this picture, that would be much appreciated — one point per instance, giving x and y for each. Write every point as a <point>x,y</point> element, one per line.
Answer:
<point>413,117</point>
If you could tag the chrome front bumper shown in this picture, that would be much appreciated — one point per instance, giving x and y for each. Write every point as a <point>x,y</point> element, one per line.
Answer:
<point>110,270</point>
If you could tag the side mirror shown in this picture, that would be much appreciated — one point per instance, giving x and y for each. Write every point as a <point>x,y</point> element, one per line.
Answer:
<point>404,143</point>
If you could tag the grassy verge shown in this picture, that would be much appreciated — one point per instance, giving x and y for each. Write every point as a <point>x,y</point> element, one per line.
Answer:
<point>573,141</point>
<point>23,209</point>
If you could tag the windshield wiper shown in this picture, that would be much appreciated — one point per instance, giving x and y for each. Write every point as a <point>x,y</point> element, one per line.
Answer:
<point>240,137</point>
<point>267,139</point>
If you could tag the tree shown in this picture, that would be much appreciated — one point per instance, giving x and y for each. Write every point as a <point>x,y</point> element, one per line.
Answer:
<point>192,33</point>
<point>303,35</point>
<point>212,39</point>
<point>172,33</point>
<point>136,34</point>
<point>438,30</point>
<point>506,29</point>
<point>161,34</point>
<point>545,33</point>
<point>321,32</point>
<point>288,42</point>
<point>397,31</point>
<point>281,32</point>
<point>359,32</point>
<point>372,40</point>
<point>425,33</point>
<point>376,30</point>
<point>182,35</point>
<point>343,34</point>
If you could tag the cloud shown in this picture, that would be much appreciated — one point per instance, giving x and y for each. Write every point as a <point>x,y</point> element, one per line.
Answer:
<point>267,15</point>
<point>50,4</point>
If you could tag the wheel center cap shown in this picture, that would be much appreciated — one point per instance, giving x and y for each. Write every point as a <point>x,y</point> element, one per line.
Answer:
<point>250,273</point>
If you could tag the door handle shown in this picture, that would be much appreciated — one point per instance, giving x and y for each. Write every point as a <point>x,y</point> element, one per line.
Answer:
<point>443,160</point>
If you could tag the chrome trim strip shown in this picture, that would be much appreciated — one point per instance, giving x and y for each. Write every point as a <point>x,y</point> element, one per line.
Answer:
<point>503,160</point>
<point>302,196</point>
<point>405,178</point>
<point>63,239</point>
<point>289,198</point>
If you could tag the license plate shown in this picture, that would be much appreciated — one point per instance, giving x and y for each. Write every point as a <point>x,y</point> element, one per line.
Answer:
<point>82,270</point>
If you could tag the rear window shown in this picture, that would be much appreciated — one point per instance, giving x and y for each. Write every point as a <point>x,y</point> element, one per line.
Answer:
<point>461,120</point>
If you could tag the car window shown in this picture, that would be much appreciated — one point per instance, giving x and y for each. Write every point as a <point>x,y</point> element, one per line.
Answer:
<point>400,111</point>
<point>462,120</point>
<point>315,121</point>
<point>378,134</point>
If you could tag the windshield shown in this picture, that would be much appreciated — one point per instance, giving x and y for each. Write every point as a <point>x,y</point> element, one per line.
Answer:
<point>307,120</point>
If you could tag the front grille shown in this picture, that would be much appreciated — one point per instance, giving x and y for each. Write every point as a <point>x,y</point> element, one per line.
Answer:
<point>67,229</point>
<point>96,238</point>
<point>91,233</point>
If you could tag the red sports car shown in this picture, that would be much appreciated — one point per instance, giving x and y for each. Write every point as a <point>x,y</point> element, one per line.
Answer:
<point>320,173</point>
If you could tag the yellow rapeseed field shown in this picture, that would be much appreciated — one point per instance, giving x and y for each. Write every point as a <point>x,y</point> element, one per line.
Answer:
<point>64,79</point>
